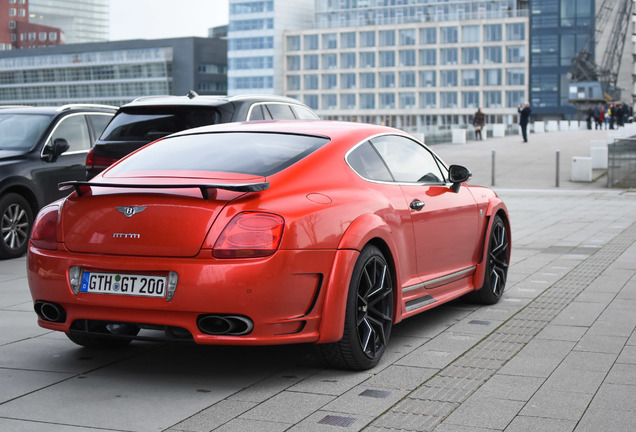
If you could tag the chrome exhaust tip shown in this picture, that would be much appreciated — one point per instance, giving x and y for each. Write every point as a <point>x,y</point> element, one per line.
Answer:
<point>51,312</point>
<point>225,325</point>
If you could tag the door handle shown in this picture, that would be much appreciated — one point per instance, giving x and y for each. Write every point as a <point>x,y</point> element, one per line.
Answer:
<point>417,205</point>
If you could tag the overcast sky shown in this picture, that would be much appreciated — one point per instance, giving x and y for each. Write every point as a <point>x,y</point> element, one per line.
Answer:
<point>159,19</point>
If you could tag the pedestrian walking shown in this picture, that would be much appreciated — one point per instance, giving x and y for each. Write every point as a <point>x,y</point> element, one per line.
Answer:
<point>479,120</point>
<point>524,117</point>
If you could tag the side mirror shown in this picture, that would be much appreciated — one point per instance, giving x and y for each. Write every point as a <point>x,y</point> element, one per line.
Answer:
<point>458,174</point>
<point>60,145</point>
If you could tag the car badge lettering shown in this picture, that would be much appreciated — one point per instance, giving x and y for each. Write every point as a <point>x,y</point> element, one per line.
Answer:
<point>127,235</point>
<point>130,211</point>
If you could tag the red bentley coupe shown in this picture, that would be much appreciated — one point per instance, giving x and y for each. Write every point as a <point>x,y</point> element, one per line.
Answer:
<point>267,233</point>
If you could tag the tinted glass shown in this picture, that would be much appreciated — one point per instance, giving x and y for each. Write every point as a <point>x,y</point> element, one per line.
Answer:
<point>408,161</point>
<point>74,130</point>
<point>99,122</point>
<point>150,124</point>
<point>259,154</point>
<point>21,131</point>
<point>367,163</point>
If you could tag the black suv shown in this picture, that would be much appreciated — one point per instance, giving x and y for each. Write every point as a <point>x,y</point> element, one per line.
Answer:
<point>40,147</point>
<point>149,118</point>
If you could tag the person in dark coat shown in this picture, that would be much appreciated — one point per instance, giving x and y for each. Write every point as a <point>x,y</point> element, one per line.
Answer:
<point>524,118</point>
<point>479,120</point>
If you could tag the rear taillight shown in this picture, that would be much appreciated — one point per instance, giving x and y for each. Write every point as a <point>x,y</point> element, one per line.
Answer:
<point>44,232</point>
<point>250,235</point>
<point>96,164</point>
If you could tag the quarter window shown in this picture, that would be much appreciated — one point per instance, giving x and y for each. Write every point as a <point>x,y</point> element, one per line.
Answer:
<point>407,160</point>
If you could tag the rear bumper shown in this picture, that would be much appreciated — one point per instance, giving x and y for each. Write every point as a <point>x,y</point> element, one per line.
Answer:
<point>283,295</point>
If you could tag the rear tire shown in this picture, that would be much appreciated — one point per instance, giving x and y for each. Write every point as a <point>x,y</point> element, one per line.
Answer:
<point>496,265</point>
<point>16,221</point>
<point>369,315</point>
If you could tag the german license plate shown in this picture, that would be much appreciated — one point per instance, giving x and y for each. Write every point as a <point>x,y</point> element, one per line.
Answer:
<point>124,284</point>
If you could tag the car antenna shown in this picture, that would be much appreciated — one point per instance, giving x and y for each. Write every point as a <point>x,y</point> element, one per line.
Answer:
<point>192,94</point>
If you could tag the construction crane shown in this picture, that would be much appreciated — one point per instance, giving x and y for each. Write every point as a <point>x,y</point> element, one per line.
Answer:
<point>594,82</point>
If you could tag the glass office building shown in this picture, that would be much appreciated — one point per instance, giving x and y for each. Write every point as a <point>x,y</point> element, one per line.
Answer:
<point>80,20</point>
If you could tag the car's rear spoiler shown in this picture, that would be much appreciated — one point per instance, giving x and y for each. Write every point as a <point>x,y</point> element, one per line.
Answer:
<point>203,187</point>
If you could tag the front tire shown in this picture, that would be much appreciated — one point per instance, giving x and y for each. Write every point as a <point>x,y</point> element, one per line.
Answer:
<point>16,221</point>
<point>369,315</point>
<point>496,265</point>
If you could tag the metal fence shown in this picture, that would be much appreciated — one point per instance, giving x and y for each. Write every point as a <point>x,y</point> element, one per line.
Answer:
<point>621,167</point>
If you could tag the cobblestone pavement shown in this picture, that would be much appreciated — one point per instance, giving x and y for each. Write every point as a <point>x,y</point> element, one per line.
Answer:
<point>558,353</point>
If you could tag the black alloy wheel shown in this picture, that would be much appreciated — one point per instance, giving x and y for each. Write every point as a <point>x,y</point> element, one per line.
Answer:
<point>369,315</point>
<point>16,219</point>
<point>497,263</point>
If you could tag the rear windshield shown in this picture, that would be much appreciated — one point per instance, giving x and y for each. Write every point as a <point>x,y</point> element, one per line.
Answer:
<point>150,124</point>
<point>259,154</point>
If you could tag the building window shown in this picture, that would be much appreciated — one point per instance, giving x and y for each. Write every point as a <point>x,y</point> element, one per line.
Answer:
<point>492,77</point>
<point>448,99</point>
<point>387,37</point>
<point>428,36</point>
<point>311,62</point>
<point>12,12</point>
<point>428,100</point>
<point>251,43</point>
<point>516,31</point>
<point>348,101</point>
<point>470,55</point>
<point>493,33</point>
<point>293,82</point>
<point>387,79</point>
<point>310,42</point>
<point>311,101</point>
<point>387,58</point>
<point>407,79</point>
<point>311,82</point>
<point>407,58</point>
<point>367,59</point>
<point>367,80</point>
<point>516,54</point>
<point>12,25</point>
<point>329,101</point>
<point>367,39</point>
<point>348,80</point>
<point>515,76</point>
<point>470,99</point>
<point>428,57</point>
<point>407,37</point>
<point>514,98</point>
<point>492,99</point>
<point>329,81</point>
<point>470,34</point>
<point>448,56</point>
<point>470,77</point>
<point>407,100</point>
<point>42,36</point>
<point>449,35</point>
<point>32,36</point>
<point>52,36</point>
<point>428,78</point>
<point>492,55</point>
<point>293,43</point>
<point>367,100</point>
<point>387,100</point>
<point>293,63</point>
<point>329,41</point>
<point>329,61</point>
<point>348,40</point>
<point>348,60</point>
<point>448,78</point>
<point>22,13</point>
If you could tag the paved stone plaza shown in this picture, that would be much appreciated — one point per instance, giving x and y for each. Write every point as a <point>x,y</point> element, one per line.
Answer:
<point>557,354</point>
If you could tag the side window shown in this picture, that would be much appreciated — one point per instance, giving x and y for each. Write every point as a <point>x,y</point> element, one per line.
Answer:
<point>74,130</point>
<point>365,161</point>
<point>99,122</point>
<point>281,111</point>
<point>303,113</point>
<point>257,113</point>
<point>409,161</point>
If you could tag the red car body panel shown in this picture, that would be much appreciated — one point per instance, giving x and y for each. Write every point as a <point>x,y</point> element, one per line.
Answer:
<point>299,293</point>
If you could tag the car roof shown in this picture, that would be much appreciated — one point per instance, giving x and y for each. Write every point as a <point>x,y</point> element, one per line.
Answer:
<point>193,99</point>
<point>53,110</point>
<point>327,128</point>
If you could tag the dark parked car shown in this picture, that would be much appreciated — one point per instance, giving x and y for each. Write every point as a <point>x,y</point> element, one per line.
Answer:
<point>40,147</point>
<point>149,118</point>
